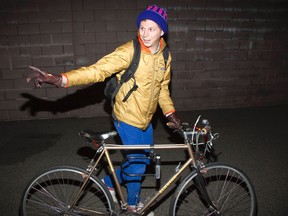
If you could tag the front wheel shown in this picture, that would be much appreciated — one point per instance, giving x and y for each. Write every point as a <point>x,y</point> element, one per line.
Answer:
<point>229,189</point>
<point>64,191</point>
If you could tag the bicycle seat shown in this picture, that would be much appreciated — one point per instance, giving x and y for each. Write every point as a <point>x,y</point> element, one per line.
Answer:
<point>96,137</point>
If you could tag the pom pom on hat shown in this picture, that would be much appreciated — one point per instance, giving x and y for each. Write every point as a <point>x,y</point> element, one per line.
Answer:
<point>156,14</point>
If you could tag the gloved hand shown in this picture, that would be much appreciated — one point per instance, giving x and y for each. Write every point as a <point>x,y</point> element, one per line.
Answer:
<point>40,77</point>
<point>174,122</point>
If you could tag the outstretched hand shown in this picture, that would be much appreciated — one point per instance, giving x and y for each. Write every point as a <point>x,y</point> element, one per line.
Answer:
<point>39,77</point>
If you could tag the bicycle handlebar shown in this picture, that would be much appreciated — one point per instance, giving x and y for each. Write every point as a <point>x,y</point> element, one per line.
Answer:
<point>190,133</point>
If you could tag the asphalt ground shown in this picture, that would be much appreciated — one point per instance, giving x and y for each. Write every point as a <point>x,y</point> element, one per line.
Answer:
<point>253,139</point>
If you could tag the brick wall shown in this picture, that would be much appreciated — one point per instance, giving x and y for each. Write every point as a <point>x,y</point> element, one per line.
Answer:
<point>226,53</point>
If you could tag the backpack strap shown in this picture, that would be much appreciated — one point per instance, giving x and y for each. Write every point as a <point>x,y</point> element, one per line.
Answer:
<point>166,56</point>
<point>134,63</point>
<point>128,74</point>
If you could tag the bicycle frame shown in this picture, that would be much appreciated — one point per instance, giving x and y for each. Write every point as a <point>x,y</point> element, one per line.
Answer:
<point>190,161</point>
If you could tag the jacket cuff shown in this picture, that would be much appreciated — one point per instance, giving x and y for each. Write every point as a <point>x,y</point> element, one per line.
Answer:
<point>65,81</point>
<point>170,112</point>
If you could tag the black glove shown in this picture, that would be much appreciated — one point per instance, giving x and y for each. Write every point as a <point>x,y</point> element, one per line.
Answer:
<point>174,122</point>
<point>40,77</point>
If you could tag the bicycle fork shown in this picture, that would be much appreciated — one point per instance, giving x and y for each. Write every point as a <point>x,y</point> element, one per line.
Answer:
<point>200,183</point>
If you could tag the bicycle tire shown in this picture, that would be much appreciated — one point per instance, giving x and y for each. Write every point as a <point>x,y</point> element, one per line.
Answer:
<point>228,187</point>
<point>54,191</point>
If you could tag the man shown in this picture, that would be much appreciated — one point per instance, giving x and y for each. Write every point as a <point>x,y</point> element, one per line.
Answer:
<point>133,117</point>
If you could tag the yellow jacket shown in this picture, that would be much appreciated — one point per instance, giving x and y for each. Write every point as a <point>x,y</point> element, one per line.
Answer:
<point>151,77</point>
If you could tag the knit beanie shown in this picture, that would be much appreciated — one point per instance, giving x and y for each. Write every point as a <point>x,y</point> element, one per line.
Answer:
<point>156,14</point>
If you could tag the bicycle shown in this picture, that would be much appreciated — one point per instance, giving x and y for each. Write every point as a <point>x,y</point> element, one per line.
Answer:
<point>209,189</point>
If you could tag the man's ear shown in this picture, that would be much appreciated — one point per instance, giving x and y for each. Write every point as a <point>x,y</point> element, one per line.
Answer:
<point>162,33</point>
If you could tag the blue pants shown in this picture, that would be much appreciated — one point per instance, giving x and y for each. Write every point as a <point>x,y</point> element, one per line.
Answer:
<point>131,135</point>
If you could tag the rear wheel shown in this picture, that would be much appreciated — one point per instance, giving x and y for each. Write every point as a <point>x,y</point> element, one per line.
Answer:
<point>229,189</point>
<point>63,191</point>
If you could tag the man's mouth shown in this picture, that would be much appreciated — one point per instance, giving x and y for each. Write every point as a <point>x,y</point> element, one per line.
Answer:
<point>146,41</point>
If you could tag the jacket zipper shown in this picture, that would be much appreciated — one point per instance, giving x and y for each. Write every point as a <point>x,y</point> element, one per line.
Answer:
<point>152,90</point>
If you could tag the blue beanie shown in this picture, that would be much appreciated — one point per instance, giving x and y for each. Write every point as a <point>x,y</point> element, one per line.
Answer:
<point>156,14</point>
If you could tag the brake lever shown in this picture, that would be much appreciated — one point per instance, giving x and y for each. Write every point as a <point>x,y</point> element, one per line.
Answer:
<point>215,136</point>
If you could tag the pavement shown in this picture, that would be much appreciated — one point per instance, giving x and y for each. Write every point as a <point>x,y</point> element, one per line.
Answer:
<point>253,139</point>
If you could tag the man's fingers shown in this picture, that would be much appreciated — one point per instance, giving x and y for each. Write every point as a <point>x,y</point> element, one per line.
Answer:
<point>171,124</point>
<point>31,76</point>
<point>37,69</point>
<point>37,83</point>
<point>37,73</point>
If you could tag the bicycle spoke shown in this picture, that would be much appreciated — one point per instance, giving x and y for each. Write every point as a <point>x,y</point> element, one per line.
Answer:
<point>228,189</point>
<point>55,192</point>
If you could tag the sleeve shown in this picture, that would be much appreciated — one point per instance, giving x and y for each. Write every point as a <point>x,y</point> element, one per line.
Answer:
<point>112,63</point>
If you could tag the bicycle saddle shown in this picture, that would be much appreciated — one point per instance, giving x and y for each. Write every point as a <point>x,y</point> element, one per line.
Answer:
<point>97,137</point>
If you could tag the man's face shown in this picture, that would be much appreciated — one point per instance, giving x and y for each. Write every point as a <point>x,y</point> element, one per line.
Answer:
<point>150,34</point>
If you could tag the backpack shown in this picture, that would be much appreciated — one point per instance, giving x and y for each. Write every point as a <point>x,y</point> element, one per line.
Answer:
<point>112,86</point>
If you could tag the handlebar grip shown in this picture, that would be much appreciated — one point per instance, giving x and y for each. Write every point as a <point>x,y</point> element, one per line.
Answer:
<point>205,130</point>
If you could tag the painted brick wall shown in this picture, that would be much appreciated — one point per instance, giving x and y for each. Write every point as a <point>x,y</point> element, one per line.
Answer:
<point>226,53</point>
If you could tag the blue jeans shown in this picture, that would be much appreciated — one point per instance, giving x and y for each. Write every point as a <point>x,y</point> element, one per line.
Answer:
<point>131,135</point>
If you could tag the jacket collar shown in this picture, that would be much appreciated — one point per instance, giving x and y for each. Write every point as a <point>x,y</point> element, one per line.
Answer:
<point>146,49</point>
